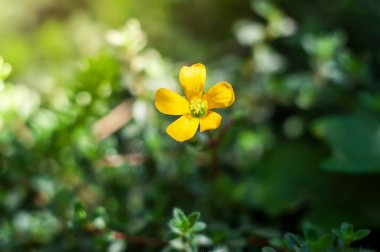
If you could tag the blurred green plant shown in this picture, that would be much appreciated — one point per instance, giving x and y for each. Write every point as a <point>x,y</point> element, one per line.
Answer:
<point>5,70</point>
<point>346,235</point>
<point>314,241</point>
<point>183,235</point>
<point>84,161</point>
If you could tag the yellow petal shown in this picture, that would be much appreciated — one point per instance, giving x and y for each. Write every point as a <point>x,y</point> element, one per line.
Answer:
<point>183,128</point>
<point>211,121</point>
<point>220,95</point>
<point>170,103</point>
<point>193,80</point>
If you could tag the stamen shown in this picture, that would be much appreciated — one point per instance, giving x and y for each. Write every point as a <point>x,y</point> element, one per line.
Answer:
<point>198,107</point>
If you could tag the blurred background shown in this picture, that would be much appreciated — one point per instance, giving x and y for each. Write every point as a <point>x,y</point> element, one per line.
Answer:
<point>84,153</point>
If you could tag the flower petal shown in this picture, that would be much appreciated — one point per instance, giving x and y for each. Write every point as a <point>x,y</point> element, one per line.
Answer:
<point>170,103</point>
<point>183,128</point>
<point>220,95</point>
<point>193,80</point>
<point>211,121</point>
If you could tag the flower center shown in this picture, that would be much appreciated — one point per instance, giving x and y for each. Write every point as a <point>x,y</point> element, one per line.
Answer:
<point>198,107</point>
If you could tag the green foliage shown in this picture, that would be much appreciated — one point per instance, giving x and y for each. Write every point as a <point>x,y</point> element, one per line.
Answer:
<point>183,235</point>
<point>343,134</point>
<point>5,70</point>
<point>86,164</point>
<point>347,235</point>
<point>314,241</point>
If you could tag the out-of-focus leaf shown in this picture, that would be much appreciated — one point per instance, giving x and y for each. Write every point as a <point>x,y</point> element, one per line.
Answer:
<point>171,236</point>
<point>361,233</point>
<point>293,167</point>
<point>193,218</point>
<point>347,228</point>
<point>323,243</point>
<point>199,226</point>
<point>292,241</point>
<point>268,249</point>
<point>80,212</point>
<point>179,215</point>
<point>354,141</point>
<point>309,232</point>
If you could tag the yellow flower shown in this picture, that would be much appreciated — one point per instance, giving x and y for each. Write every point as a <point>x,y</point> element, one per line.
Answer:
<point>195,106</point>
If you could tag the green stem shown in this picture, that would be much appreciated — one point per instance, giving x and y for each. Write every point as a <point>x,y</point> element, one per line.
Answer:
<point>213,146</point>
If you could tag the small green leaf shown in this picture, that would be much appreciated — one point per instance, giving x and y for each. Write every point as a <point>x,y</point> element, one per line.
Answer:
<point>340,132</point>
<point>277,242</point>
<point>292,241</point>
<point>171,236</point>
<point>193,218</point>
<point>177,231</point>
<point>177,244</point>
<point>5,69</point>
<point>199,226</point>
<point>310,232</point>
<point>202,240</point>
<point>268,249</point>
<point>175,223</point>
<point>337,232</point>
<point>179,215</point>
<point>361,233</point>
<point>347,229</point>
<point>79,211</point>
<point>324,243</point>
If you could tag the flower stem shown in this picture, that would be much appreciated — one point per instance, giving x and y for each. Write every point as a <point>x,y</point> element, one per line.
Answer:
<point>213,146</point>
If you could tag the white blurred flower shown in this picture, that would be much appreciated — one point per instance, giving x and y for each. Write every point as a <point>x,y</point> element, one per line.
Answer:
<point>267,60</point>
<point>20,100</point>
<point>330,70</point>
<point>86,34</point>
<point>117,246</point>
<point>131,37</point>
<point>249,33</point>
<point>140,111</point>
<point>283,27</point>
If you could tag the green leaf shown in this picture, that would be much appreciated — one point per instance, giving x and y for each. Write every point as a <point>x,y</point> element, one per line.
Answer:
<point>79,211</point>
<point>353,142</point>
<point>193,218</point>
<point>337,232</point>
<point>177,244</point>
<point>310,232</point>
<point>178,231</point>
<point>292,241</point>
<point>202,240</point>
<point>324,243</point>
<point>268,249</point>
<point>361,233</point>
<point>171,236</point>
<point>175,223</point>
<point>199,226</point>
<point>176,226</point>
<point>179,215</point>
<point>5,69</point>
<point>296,176</point>
<point>347,229</point>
